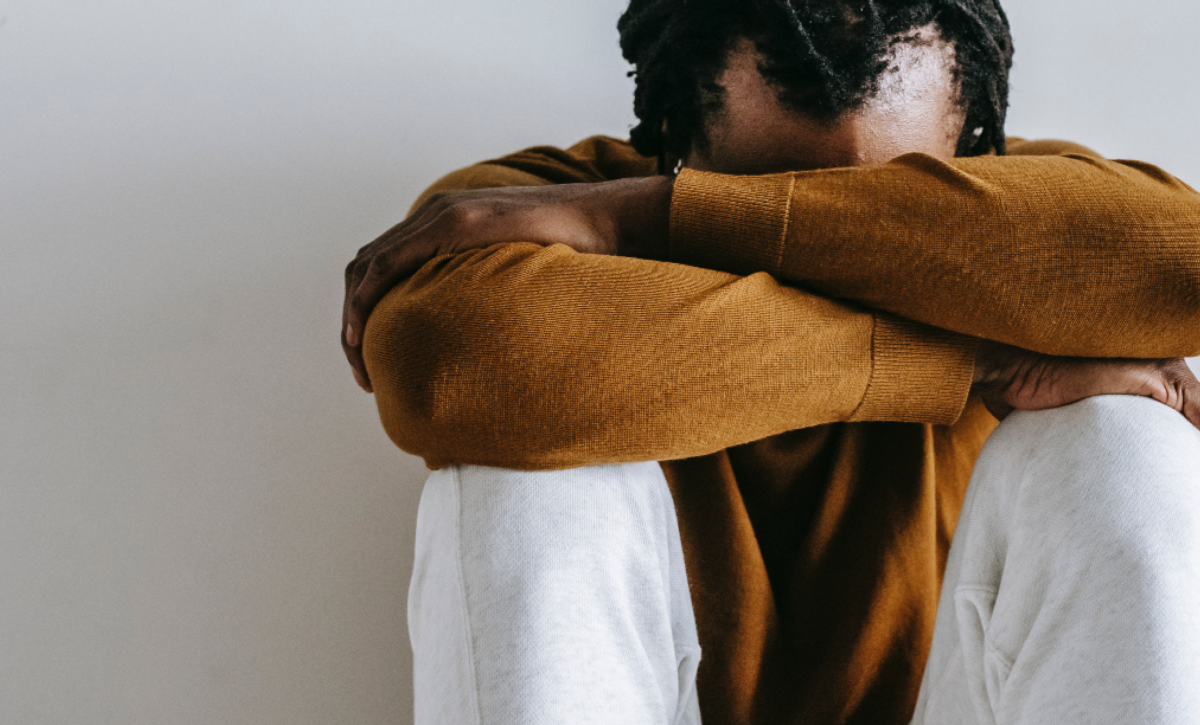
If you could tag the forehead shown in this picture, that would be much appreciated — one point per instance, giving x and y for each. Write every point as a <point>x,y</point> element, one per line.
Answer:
<point>916,108</point>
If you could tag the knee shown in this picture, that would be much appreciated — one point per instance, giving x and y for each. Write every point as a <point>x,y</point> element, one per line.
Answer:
<point>567,517</point>
<point>1123,435</point>
<point>498,499</point>
<point>1120,469</point>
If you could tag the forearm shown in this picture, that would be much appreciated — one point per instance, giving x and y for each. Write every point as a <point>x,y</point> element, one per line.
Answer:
<point>537,358</point>
<point>1067,255</point>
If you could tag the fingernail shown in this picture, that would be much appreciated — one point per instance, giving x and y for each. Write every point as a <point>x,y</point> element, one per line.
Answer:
<point>351,338</point>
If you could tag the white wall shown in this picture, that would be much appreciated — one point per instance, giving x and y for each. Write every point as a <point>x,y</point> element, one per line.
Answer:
<point>200,518</point>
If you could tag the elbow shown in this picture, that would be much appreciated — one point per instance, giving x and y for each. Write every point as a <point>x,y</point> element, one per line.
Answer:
<point>1185,291</point>
<point>455,353</point>
<point>415,358</point>
<point>1161,306</point>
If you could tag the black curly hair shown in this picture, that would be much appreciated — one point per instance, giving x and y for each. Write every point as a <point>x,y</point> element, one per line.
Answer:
<point>825,57</point>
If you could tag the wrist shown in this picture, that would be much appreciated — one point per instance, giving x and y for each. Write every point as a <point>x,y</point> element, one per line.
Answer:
<point>988,358</point>
<point>981,372</point>
<point>643,215</point>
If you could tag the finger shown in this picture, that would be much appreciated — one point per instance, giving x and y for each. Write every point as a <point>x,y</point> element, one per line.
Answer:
<point>355,271</point>
<point>351,334</point>
<point>388,267</point>
<point>1191,402</point>
<point>430,209</point>
<point>1180,389</point>
<point>354,356</point>
<point>377,260</point>
<point>997,407</point>
<point>380,277</point>
<point>392,237</point>
<point>351,344</point>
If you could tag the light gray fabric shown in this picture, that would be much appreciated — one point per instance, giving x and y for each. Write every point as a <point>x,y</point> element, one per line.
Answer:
<point>555,597</point>
<point>1072,591</point>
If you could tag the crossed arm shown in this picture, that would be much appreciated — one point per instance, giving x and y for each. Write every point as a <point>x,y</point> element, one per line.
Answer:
<point>527,356</point>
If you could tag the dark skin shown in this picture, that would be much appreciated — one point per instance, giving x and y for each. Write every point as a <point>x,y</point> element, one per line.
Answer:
<point>916,110</point>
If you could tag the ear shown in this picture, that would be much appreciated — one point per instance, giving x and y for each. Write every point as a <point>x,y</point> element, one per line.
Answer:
<point>669,164</point>
<point>669,161</point>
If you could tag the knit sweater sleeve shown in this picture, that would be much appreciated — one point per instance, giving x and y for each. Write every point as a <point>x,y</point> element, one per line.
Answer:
<point>529,357</point>
<point>1051,248</point>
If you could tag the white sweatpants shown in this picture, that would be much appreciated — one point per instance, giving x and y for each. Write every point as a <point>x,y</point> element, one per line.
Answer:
<point>1072,592</point>
<point>556,597</point>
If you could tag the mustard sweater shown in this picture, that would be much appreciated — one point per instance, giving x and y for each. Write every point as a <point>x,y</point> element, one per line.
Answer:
<point>801,368</point>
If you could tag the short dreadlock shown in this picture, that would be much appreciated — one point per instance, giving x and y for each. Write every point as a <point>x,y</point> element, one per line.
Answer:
<point>825,57</point>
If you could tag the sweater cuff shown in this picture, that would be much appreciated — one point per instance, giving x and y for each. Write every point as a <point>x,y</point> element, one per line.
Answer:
<point>919,374</point>
<point>733,224</point>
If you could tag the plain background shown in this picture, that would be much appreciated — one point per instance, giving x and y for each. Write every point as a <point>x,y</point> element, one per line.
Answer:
<point>201,520</point>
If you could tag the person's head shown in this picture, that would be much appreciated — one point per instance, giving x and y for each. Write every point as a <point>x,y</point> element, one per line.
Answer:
<point>755,86</point>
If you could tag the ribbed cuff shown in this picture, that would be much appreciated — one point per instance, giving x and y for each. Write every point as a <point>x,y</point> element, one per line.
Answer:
<point>919,374</point>
<point>733,224</point>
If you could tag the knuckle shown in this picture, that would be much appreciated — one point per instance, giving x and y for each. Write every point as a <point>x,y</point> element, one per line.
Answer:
<point>434,204</point>
<point>455,215</point>
<point>380,267</point>
<point>372,281</point>
<point>465,214</point>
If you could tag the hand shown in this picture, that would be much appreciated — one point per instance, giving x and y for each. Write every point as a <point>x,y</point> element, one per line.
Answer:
<point>629,217</point>
<point>1009,378</point>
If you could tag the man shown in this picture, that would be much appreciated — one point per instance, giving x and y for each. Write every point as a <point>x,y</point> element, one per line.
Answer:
<point>816,432</point>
